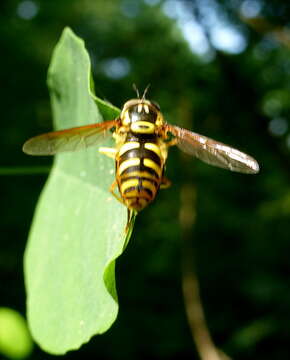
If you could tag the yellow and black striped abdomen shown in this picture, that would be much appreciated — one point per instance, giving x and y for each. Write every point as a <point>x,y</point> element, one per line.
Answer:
<point>139,170</point>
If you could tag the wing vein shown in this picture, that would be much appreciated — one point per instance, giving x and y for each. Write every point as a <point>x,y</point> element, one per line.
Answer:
<point>213,152</point>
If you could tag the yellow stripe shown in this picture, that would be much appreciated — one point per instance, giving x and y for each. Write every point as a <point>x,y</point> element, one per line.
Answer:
<point>128,146</point>
<point>153,147</point>
<point>128,163</point>
<point>148,185</point>
<point>129,183</point>
<point>126,118</point>
<point>143,127</point>
<point>140,174</point>
<point>133,193</point>
<point>152,165</point>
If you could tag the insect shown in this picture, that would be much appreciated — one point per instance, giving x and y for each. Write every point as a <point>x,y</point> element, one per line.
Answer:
<point>142,139</point>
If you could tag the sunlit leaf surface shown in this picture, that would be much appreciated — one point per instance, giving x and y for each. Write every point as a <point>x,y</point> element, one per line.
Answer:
<point>78,228</point>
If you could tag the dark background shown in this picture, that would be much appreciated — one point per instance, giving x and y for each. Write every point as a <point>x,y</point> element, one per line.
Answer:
<point>230,82</point>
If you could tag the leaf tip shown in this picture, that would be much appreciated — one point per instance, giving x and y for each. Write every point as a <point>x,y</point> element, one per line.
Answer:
<point>68,33</point>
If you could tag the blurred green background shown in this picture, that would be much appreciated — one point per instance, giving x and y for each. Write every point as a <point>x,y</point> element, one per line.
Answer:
<point>220,68</point>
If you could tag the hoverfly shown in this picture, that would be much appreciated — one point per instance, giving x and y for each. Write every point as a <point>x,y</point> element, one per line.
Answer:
<point>142,140</point>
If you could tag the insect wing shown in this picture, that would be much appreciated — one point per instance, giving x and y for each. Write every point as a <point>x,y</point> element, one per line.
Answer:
<point>213,152</point>
<point>73,139</point>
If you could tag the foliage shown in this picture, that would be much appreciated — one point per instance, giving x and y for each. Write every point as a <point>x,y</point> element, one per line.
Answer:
<point>78,229</point>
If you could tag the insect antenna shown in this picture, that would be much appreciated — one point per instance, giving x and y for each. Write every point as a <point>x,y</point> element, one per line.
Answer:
<point>145,91</point>
<point>136,89</point>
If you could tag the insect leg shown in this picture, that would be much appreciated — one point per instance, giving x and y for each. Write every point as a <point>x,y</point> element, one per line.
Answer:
<point>110,152</point>
<point>172,142</point>
<point>165,183</point>
<point>112,187</point>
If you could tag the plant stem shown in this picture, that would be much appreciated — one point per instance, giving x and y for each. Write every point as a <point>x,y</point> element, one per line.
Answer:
<point>24,170</point>
<point>190,285</point>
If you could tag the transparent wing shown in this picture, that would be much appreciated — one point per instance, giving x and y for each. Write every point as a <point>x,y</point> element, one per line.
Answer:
<point>213,152</point>
<point>73,139</point>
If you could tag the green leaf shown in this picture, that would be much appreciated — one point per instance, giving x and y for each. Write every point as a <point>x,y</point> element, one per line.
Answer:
<point>79,228</point>
<point>249,336</point>
<point>15,340</point>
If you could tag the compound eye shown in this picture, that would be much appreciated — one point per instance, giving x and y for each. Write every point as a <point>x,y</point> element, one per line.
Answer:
<point>156,105</point>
